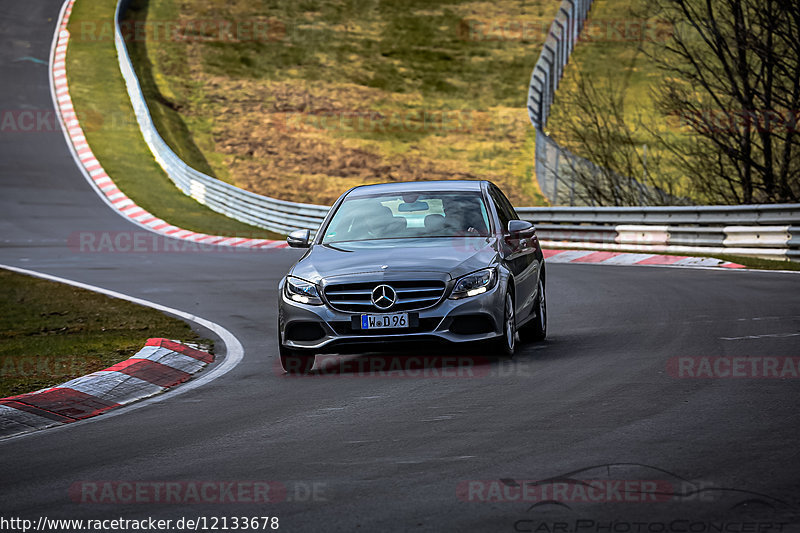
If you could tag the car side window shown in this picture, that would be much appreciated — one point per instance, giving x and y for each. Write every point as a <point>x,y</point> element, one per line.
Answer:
<point>504,209</point>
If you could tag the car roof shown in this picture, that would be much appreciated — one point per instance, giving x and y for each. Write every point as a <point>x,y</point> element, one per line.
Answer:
<point>417,186</point>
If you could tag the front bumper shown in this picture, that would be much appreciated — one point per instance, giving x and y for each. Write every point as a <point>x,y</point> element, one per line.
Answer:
<point>321,329</point>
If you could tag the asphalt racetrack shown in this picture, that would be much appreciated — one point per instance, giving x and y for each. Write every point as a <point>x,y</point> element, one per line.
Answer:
<point>599,409</point>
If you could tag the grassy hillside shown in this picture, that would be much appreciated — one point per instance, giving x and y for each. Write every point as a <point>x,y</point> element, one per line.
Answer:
<point>302,100</point>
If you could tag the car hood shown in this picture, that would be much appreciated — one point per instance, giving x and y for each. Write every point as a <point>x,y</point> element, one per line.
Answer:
<point>453,257</point>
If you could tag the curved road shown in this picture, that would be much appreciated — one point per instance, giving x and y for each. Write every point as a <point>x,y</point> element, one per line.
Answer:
<point>358,451</point>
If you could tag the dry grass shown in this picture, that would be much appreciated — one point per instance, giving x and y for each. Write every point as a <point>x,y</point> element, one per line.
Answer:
<point>51,333</point>
<point>356,92</point>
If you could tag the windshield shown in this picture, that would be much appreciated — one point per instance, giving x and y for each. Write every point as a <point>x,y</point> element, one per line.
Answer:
<point>409,216</point>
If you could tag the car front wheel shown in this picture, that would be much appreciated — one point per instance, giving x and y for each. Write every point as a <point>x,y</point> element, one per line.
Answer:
<point>536,328</point>
<point>506,343</point>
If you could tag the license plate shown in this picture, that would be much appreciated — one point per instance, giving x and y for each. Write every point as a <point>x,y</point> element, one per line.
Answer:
<point>399,320</point>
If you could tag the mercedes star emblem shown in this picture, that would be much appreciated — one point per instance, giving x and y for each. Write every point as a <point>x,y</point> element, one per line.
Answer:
<point>383,297</point>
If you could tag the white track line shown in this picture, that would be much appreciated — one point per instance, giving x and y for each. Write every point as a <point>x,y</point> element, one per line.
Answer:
<point>65,132</point>
<point>234,352</point>
<point>89,161</point>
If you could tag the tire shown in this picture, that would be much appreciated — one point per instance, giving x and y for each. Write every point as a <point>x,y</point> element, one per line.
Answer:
<point>536,328</point>
<point>505,344</point>
<point>295,362</point>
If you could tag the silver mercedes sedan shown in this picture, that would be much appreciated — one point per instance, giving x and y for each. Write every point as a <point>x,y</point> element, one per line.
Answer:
<point>413,262</point>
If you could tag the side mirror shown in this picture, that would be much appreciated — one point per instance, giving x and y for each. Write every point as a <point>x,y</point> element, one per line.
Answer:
<point>299,238</point>
<point>520,228</point>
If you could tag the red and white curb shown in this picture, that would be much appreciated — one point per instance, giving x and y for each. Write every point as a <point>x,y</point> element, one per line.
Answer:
<point>160,365</point>
<point>622,258</point>
<point>102,182</point>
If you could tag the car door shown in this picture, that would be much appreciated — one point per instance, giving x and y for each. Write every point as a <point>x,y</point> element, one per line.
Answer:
<point>519,254</point>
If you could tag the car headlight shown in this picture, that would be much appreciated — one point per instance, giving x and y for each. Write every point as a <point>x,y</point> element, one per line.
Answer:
<point>300,290</point>
<point>474,284</point>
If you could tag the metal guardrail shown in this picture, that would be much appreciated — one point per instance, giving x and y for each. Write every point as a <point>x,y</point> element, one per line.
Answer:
<point>269,213</point>
<point>761,230</point>
<point>555,54</point>
<point>769,231</point>
<point>722,215</point>
<point>770,242</point>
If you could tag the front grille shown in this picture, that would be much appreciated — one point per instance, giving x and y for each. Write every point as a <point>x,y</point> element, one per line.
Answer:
<point>357,297</point>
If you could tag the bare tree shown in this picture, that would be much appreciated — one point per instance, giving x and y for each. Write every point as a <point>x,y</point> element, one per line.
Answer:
<point>618,169</point>
<point>732,70</point>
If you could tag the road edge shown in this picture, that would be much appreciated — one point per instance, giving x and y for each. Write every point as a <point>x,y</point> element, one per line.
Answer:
<point>91,169</point>
<point>234,351</point>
